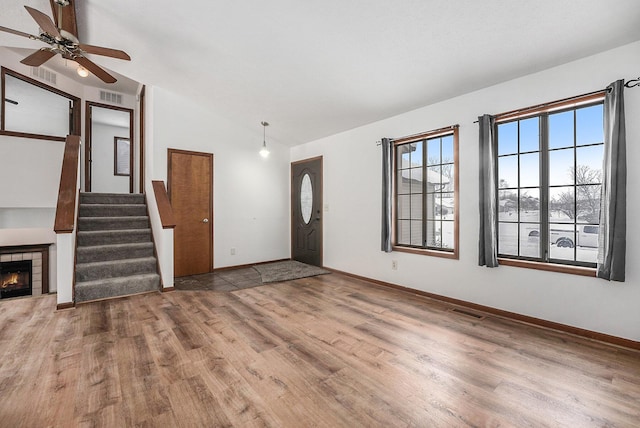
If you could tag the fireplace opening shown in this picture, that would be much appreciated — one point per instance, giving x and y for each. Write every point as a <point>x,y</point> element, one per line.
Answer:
<point>15,279</point>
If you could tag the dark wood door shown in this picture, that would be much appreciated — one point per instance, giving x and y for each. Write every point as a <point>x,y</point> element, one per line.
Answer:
<point>306,211</point>
<point>190,187</point>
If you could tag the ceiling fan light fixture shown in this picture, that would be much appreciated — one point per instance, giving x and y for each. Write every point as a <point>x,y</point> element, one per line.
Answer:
<point>82,72</point>
<point>65,43</point>
<point>264,152</point>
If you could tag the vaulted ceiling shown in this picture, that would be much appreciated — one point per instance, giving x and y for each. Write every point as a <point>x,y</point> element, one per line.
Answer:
<point>313,69</point>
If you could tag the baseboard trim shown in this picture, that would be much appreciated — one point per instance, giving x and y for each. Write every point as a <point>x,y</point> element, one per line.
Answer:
<point>222,269</point>
<point>61,306</point>
<point>513,316</point>
<point>124,296</point>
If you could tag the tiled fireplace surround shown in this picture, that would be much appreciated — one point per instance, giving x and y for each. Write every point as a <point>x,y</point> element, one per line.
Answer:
<point>39,255</point>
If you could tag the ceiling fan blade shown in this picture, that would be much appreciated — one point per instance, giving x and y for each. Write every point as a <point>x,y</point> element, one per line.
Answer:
<point>16,32</point>
<point>65,17</point>
<point>45,23</point>
<point>98,50</point>
<point>95,69</point>
<point>38,58</point>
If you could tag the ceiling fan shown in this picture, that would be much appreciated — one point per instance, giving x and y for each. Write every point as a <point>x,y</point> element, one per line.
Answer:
<point>63,40</point>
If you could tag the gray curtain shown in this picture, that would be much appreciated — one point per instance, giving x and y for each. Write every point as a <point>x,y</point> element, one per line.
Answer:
<point>613,206</point>
<point>387,197</point>
<point>488,239</point>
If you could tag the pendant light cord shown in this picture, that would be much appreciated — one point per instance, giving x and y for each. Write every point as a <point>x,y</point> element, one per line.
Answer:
<point>264,133</point>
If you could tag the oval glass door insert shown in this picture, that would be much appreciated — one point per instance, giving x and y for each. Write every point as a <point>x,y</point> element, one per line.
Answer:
<point>306,198</point>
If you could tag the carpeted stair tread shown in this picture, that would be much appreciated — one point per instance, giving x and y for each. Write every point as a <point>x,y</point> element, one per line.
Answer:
<point>113,223</point>
<point>116,287</point>
<point>113,268</point>
<point>112,198</point>
<point>95,253</point>
<point>112,210</point>
<point>115,254</point>
<point>107,237</point>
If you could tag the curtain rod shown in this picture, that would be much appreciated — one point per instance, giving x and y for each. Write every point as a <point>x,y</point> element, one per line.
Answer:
<point>628,84</point>
<point>632,83</point>
<point>420,134</point>
<point>539,106</point>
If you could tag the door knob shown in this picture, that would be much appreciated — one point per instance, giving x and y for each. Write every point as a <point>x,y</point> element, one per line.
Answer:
<point>206,220</point>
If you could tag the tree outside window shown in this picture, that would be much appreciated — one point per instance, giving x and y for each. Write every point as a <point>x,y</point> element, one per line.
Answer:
<point>549,185</point>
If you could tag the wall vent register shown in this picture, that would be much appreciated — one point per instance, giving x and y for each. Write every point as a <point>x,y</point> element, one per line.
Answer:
<point>44,74</point>
<point>111,97</point>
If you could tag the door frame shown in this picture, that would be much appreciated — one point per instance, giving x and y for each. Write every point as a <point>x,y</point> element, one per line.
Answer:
<point>170,153</point>
<point>141,140</point>
<point>87,151</point>
<point>321,191</point>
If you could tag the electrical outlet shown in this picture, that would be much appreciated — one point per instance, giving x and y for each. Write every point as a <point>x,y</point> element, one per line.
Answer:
<point>233,251</point>
<point>394,265</point>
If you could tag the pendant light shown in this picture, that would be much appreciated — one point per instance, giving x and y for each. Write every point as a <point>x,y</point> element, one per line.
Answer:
<point>264,152</point>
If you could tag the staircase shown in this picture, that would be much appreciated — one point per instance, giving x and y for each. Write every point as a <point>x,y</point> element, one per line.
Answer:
<point>115,254</point>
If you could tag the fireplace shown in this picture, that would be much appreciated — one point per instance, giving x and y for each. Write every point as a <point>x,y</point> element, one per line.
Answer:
<point>15,279</point>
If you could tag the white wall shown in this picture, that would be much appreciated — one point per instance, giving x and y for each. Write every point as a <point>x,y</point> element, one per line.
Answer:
<point>250,193</point>
<point>352,184</point>
<point>163,238</point>
<point>17,218</point>
<point>102,178</point>
<point>30,172</point>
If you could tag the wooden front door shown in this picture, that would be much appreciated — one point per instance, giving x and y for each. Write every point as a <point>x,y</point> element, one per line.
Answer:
<point>306,211</point>
<point>190,187</point>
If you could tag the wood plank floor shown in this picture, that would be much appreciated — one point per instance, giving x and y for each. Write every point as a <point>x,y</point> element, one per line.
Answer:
<point>328,351</point>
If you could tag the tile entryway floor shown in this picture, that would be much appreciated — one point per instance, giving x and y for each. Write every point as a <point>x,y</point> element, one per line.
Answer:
<point>231,280</point>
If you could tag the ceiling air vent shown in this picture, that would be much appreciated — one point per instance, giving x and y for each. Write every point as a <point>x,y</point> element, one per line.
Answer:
<point>44,74</point>
<point>111,97</point>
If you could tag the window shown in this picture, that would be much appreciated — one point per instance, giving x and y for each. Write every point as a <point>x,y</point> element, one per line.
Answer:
<point>121,156</point>
<point>549,183</point>
<point>426,193</point>
<point>24,99</point>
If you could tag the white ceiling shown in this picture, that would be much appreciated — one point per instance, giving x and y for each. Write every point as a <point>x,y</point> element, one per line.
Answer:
<point>312,69</point>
